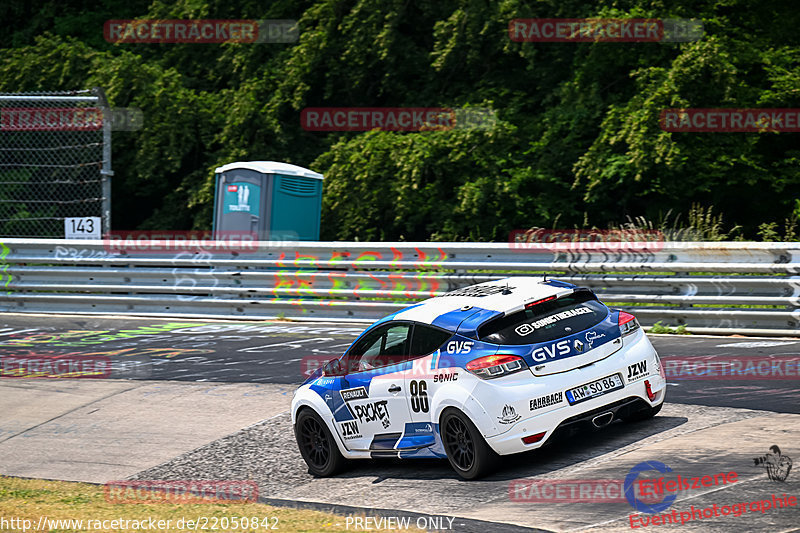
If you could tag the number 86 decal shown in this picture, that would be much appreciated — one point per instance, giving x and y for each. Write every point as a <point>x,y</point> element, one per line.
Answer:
<point>419,396</point>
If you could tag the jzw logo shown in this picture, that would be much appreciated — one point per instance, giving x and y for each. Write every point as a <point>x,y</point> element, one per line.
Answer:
<point>637,370</point>
<point>459,346</point>
<point>350,430</point>
<point>552,351</point>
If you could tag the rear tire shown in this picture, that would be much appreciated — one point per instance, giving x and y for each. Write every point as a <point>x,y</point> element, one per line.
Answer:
<point>644,414</point>
<point>467,450</point>
<point>317,445</point>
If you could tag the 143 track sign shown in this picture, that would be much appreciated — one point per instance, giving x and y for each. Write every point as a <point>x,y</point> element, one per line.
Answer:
<point>82,228</point>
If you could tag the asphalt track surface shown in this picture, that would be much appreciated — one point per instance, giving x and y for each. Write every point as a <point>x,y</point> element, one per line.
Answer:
<point>282,352</point>
<point>707,426</point>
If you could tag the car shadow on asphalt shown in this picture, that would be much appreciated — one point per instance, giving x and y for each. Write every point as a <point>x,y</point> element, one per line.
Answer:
<point>560,453</point>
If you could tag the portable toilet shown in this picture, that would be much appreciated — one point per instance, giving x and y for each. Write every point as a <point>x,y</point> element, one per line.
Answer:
<point>276,201</point>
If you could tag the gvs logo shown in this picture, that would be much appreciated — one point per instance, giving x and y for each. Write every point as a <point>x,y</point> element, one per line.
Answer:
<point>455,347</point>
<point>551,351</point>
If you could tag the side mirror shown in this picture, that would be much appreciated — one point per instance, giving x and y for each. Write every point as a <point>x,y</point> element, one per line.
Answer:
<point>333,368</point>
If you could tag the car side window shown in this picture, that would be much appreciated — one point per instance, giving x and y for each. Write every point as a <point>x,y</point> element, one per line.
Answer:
<point>426,340</point>
<point>386,345</point>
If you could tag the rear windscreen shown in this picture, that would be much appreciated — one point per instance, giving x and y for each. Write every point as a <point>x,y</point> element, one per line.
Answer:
<point>546,321</point>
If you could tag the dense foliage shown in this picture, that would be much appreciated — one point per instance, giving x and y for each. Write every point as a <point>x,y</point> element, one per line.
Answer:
<point>577,141</point>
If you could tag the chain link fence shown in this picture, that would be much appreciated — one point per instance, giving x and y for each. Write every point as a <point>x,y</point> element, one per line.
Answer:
<point>55,161</point>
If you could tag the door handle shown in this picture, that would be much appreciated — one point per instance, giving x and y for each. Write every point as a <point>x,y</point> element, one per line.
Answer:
<point>394,389</point>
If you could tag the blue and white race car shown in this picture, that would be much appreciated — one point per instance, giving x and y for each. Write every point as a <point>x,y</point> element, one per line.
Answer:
<point>491,369</point>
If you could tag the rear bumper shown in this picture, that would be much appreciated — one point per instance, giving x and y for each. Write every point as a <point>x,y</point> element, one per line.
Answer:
<point>565,421</point>
<point>597,412</point>
<point>597,418</point>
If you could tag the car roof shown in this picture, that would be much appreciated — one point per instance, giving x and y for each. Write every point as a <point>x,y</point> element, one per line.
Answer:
<point>483,301</point>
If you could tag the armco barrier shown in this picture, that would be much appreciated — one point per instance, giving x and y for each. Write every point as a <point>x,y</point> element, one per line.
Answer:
<point>712,287</point>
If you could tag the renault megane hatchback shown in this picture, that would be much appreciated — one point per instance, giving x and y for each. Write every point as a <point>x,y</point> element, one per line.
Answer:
<point>492,369</point>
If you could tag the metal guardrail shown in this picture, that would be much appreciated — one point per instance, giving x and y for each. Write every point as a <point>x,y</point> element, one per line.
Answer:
<point>711,287</point>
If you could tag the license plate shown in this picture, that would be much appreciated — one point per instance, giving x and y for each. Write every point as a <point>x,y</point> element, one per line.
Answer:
<point>594,389</point>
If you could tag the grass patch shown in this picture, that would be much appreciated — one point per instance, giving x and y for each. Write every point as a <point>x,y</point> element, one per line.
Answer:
<point>659,328</point>
<point>31,499</point>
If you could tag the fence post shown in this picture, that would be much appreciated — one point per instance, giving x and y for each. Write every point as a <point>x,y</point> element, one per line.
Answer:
<point>106,171</point>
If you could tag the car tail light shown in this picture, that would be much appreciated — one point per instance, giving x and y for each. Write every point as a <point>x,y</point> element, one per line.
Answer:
<point>627,323</point>
<point>650,393</point>
<point>530,439</point>
<point>537,302</point>
<point>494,366</point>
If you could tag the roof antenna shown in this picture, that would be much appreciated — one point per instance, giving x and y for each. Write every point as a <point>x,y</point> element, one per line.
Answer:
<point>545,278</point>
<point>507,290</point>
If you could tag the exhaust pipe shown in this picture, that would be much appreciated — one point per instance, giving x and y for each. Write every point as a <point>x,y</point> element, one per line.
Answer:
<point>603,419</point>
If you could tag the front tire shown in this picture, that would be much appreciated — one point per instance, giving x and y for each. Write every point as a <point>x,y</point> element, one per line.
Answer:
<point>467,450</point>
<point>317,445</point>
